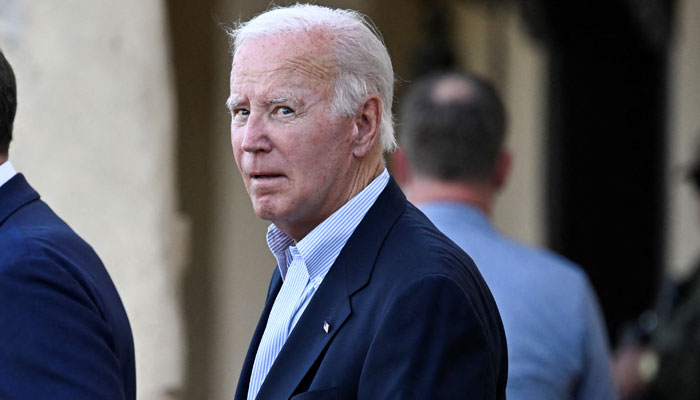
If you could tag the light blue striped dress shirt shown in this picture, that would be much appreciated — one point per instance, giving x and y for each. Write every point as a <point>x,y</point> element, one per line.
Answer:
<point>307,263</point>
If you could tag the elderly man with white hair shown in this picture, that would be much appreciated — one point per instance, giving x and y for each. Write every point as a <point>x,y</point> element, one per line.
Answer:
<point>368,300</point>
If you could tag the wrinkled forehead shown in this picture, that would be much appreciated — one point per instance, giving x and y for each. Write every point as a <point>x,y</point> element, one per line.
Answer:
<point>306,55</point>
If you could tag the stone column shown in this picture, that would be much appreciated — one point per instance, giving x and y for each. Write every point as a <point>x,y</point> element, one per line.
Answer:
<point>94,134</point>
<point>684,139</point>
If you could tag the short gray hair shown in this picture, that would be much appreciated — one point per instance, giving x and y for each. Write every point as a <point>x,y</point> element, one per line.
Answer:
<point>361,57</point>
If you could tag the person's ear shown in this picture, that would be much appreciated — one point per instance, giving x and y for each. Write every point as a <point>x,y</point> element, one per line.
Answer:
<point>366,129</point>
<point>502,169</point>
<point>400,167</point>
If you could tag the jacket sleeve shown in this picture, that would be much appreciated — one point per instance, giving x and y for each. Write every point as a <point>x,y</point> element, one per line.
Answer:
<point>432,344</point>
<point>54,343</point>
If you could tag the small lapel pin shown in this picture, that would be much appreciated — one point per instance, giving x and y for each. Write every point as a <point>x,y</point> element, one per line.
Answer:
<point>326,327</point>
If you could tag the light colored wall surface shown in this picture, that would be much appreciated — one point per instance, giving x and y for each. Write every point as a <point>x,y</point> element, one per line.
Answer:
<point>520,210</point>
<point>94,136</point>
<point>684,139</point>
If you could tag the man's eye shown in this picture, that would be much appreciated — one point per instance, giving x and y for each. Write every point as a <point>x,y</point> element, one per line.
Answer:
<point>284,110</point>
<point>240,112</point>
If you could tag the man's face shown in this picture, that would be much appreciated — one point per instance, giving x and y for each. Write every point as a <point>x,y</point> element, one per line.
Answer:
<point>294,154</point>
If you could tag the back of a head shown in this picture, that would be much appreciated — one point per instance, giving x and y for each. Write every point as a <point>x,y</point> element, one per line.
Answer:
<point>8,103</point>
<point>452,127</point>
<point>362,60</point>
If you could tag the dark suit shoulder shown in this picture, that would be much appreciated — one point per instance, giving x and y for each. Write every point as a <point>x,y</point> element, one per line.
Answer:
<point>35,231</point>
<point>416,244</point>
<point>419,261</point>
<point>66,332</point>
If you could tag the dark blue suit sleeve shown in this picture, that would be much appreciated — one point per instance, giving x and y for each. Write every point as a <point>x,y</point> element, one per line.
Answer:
<point>54,341</point>
<point>432,344</point>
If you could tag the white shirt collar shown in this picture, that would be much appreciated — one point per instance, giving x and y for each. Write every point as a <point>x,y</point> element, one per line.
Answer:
<point>321,246</point>
<point>7,171</point>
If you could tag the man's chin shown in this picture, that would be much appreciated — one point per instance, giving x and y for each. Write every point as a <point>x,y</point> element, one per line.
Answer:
<point>265,211</point>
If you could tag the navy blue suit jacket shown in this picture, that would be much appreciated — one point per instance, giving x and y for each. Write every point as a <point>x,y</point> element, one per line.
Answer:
<point>64,333</point>
<point>410,318</point>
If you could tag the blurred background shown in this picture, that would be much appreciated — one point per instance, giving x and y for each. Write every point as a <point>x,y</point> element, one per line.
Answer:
<point>121,126</point>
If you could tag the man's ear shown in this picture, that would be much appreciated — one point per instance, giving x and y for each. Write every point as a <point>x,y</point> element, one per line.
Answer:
<point>366,130</point>
<point>400,168</point>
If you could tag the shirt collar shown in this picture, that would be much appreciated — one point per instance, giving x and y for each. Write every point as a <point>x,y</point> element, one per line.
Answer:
<point>7,171</point>
<point>320,247</point>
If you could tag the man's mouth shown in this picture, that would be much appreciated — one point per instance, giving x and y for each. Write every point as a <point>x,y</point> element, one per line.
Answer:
<point>265,176</point>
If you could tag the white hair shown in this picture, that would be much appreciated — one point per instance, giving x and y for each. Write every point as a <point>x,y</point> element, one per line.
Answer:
<point>362,60</point>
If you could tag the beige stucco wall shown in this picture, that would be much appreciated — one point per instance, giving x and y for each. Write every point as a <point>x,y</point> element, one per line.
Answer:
<point>684,139</point>
<point>94,135</point>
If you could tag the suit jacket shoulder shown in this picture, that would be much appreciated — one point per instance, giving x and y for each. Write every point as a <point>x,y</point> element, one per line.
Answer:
<point>65,332</point>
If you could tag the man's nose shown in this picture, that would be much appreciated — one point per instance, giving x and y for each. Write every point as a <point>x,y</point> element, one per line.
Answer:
<point>255,136</point>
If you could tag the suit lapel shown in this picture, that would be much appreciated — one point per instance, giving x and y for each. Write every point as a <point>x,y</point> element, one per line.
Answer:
<point>14,194</point>
<point>331,303</point>
<point>244,378</point>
